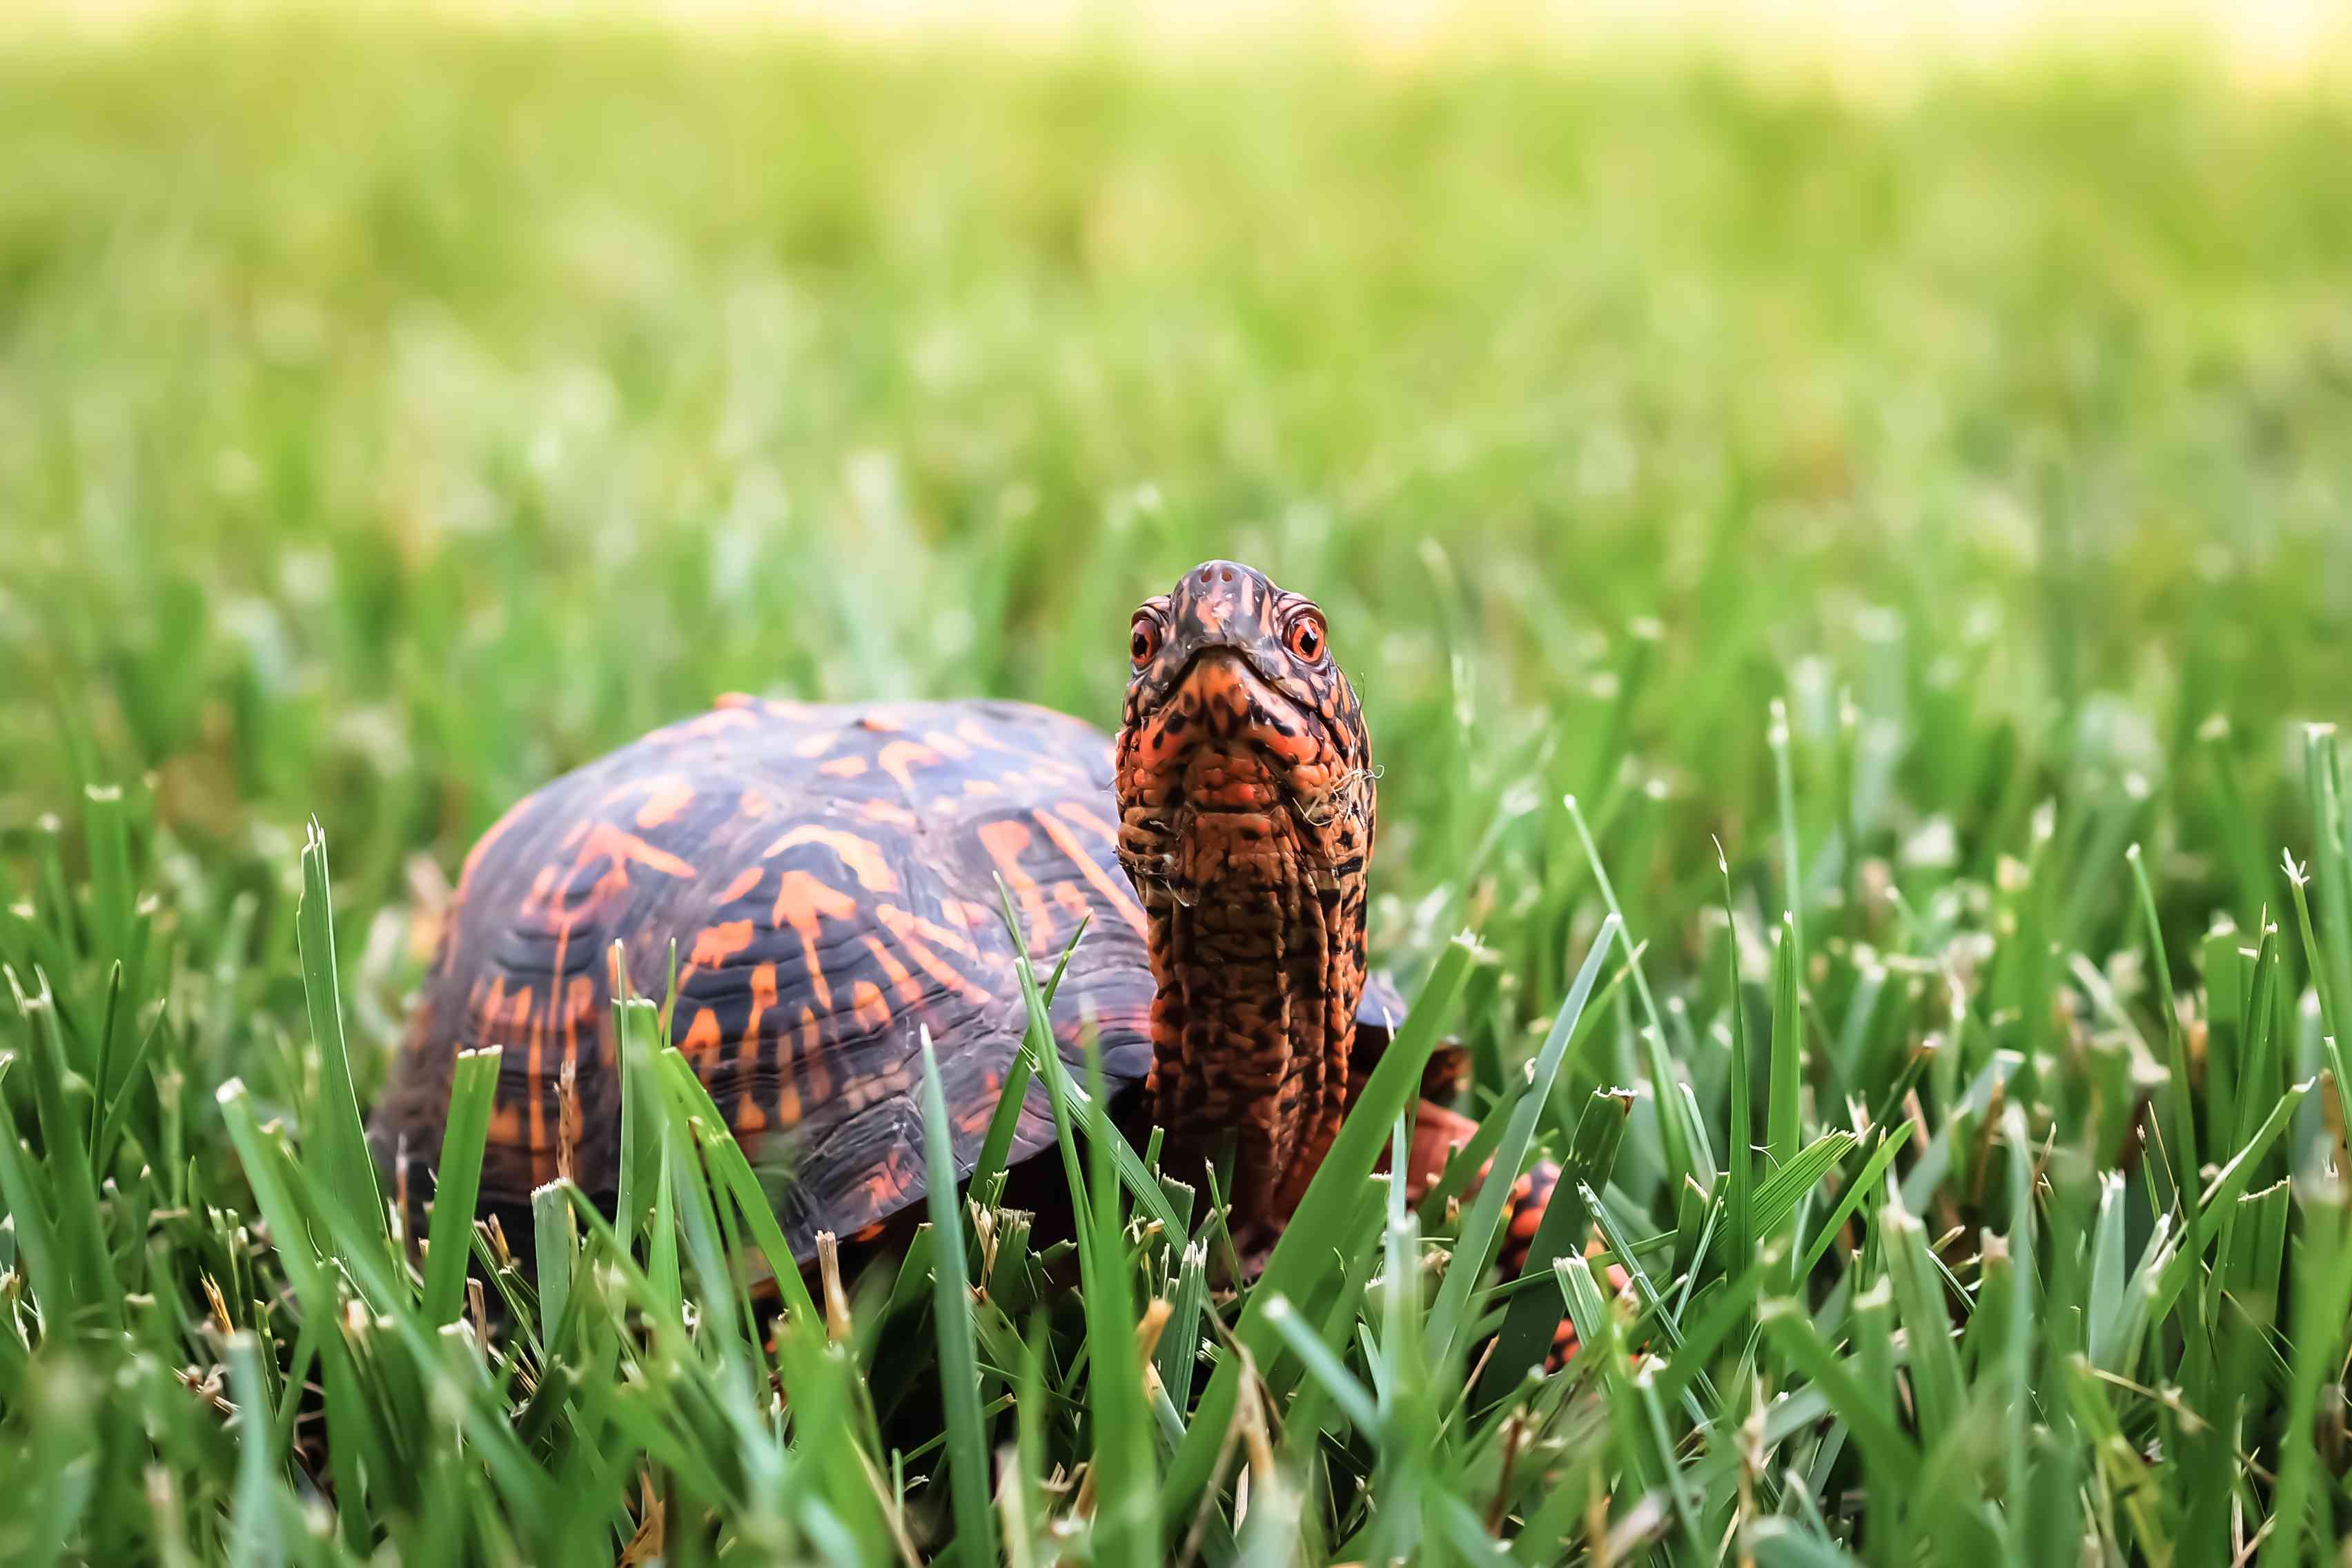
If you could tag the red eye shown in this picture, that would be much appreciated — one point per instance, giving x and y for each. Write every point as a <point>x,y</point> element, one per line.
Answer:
<point>1145,642</point>
<point>1307,637</point>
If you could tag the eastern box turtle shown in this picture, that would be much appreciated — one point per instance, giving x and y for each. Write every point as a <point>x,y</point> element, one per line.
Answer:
<point>828,875</point>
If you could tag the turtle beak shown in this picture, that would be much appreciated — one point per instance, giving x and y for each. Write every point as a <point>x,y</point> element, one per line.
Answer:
<point>1232,738</point>
<point>1218,688</point>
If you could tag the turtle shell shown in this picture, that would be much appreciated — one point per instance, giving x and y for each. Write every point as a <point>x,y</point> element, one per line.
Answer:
<point>828,876</point>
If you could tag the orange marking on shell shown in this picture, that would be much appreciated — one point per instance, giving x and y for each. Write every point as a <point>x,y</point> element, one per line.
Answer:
<point>804,897</point>
<point>899,759</point>
<point>764,997</point>
<point>788,1097</point>
<point>489,1008</point>
<point>506,1123</point>
<point>1119,897</point>
<point>886,1186</point>
<point>716,944</point>
<point>702,1037</point>
<point>750,1120</point>
<point>734,700</point>
<point>816,745</point>
<point>531,1021</point>
<point>880,810</point>
<point>669,794</point>
<point>946,744</point>
<point>622,849</point>
<point>542,887</point>
<point>974,733</point>
<point>1079,816</point>
<point>882,721</point>
<point>812,1057</point>
<point>907,926</point>
<point>847,767</point>
<point>745,881</point>
<point>872,1008</point>
<point>902,979</point>
<point>1005,842</point>
<point>754,805</point>
<point>804,901</point>
<point>982,788</point>
<point>862,856</point>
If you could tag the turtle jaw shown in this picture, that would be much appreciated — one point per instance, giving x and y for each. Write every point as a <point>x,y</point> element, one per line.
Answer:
<point>1229,770</point>
<point>1245,824</point>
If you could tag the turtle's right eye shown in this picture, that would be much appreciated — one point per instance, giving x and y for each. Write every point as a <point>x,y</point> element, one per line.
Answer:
<point>1145,642</point>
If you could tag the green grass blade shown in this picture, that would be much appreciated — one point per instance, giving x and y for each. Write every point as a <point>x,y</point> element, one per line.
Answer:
<point>1740,1152</point>
<point>555,1236</point>
<point>1792,1182</point>
<point>1070,1100</point>
<point>1873,1170</point>
<point>637,1037</point>
<point>473,1086</point>
<point>1789,1327</point>
<point>344,1161</point>
<point>1526,1332</point>
<point>2221,1194</point>
<point>1782,1110</point>
<point>255,1534</point>
<point>732,1169</point>
<point>2180,1100</point>
<point>1677,1135</point>
<point>1127,1484</point>
<point>967,1431</point>
<point>1005,1120</point>
<point>1482,1223</point>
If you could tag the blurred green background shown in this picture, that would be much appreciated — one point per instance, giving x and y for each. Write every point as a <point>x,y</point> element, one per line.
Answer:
<point>395,414</point>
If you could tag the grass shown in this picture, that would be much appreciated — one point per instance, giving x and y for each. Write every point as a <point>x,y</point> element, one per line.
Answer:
<point>1940,506</point>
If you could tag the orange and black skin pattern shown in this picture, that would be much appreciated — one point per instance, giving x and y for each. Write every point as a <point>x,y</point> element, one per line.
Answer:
<point>827,876</point>
<point>1246,820</point>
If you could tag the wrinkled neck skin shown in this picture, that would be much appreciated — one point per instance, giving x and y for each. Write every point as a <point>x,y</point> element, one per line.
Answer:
<point>1257,946</point>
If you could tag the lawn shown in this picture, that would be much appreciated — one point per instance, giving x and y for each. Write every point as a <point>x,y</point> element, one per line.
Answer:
<point>1887,556</point>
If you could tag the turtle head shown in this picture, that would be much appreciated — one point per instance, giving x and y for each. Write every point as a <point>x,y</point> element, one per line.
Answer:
<point>1237,712</point>
<point>1245,796</point>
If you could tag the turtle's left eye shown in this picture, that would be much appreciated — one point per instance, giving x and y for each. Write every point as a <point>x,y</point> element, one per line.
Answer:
<point>1307,637</point>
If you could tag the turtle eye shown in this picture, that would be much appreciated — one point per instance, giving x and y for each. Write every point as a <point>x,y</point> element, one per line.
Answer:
<point>1307,637</point>
<point>1145,642</point>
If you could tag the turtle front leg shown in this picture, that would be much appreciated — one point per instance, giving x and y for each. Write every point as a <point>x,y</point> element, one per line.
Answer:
<point>1437,1134</point>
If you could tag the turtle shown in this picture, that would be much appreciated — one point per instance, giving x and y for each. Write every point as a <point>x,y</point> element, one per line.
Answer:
<point>828,877</point>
